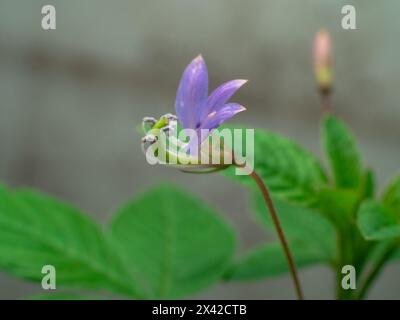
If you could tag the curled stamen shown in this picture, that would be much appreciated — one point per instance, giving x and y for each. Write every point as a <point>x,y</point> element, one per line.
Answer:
<point>147,141</point>
<point>148,123</point>
<point>170,117</point>
<point>168,130</point>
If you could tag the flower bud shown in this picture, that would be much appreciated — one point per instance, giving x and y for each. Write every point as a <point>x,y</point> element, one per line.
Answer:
<point>323,60</point>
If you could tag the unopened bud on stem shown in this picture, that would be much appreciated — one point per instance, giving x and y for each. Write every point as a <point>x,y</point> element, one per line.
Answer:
<point>323,61</point>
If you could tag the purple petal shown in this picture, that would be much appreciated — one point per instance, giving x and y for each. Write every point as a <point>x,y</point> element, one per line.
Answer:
<point>216,118</point>
<point>192,93</point>
<point>221,95</point>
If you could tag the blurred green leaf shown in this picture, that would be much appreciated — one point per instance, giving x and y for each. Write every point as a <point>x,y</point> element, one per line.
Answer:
<point>391,195</point>
<point>311,239</point>
<point>368,184</point>
<point>307,227</point>
<point>36,230</point>
<point>380,247</point>
<point>62,296</point>
<point>289,171</point>
<point>180,245</point>
<point>341,150</point>
<point>338,205</point>
<point>269,260</point>
<point>378,222</point>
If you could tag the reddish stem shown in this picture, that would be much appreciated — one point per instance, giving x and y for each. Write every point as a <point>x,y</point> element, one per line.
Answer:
<point>279,230</point>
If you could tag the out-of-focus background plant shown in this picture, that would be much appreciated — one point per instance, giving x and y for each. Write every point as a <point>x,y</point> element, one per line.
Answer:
<point>72,97</point>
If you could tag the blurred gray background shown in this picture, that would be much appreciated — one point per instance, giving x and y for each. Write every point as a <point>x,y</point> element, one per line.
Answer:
<point>71,99</point>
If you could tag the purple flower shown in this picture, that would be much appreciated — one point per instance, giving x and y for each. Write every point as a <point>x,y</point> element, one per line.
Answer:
<point>197,112</point>
<point>195,108</point>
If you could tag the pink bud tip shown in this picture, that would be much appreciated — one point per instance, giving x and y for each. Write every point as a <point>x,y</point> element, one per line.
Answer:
<point>322,49</point>
<point>323,58</point>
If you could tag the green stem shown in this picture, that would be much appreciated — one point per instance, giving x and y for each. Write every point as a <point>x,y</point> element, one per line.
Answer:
<point>279,230</point>
<point>377,268</point>
<point>344,258</point>
<point>340,250</point>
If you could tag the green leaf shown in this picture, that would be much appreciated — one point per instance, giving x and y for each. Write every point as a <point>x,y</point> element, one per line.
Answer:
<point>380,247</point>
<point>311,240</point>
<point>36,230</point>
<point>289,171</point>
<point>269,260</point>
<point>396,255</point>
<point>180,245</point>
<point>338,205</point>
<point>391,196</point>
<point>378,222</point>
<point>305,226</point>
<point>341,150</point>
<point>62,296</point>
<point>368,184</point>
